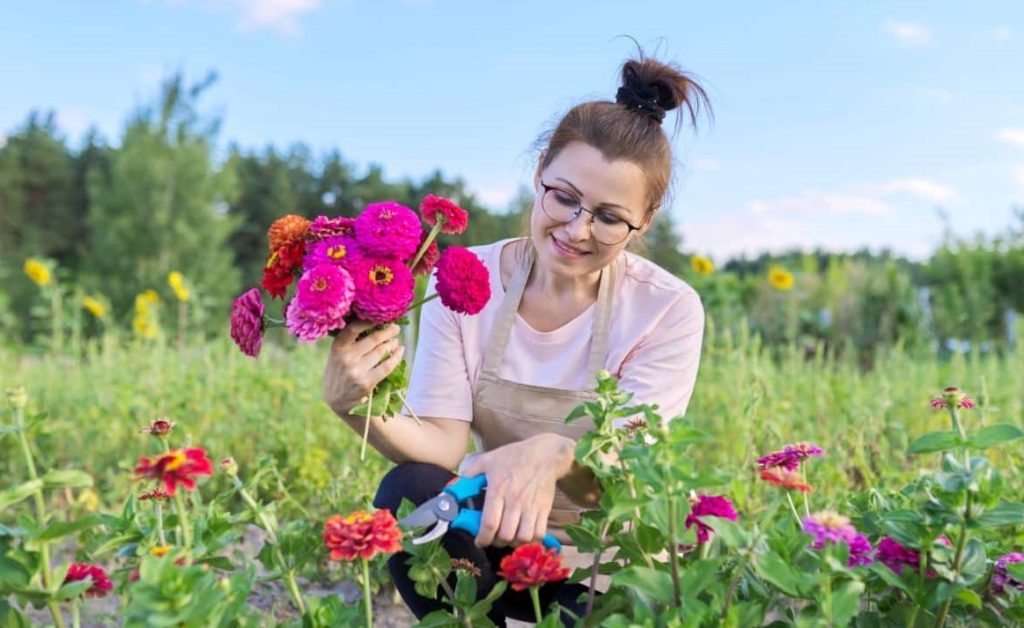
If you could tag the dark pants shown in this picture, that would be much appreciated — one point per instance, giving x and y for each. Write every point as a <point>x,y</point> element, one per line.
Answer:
<point>419,482</point>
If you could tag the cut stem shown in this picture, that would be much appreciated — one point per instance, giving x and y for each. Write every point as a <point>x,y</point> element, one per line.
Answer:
<point>366,593</point>
<point>401,397</point>
<point>427,241</point>
<point>366,427</point>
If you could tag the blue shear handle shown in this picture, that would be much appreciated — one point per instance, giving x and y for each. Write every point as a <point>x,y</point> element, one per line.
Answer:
<point>469,521</point>
<point>465,488</point>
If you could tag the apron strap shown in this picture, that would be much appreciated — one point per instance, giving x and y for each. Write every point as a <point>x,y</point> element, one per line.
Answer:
<point>495,350</point>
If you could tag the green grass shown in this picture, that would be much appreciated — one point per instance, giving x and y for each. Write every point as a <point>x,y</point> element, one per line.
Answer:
<point>233,405</point>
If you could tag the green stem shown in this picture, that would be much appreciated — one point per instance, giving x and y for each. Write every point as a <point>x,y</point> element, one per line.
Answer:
<point>293,588</point>
<point>673,553</point>
<point>592,589</point>
<point>792,509</point>
<point>160,523</point>
<point>366,427</point>
<point>426,243</point>
<point>56,313</point>
<point>535,597</point>
<point>368,603</point>
<point>179,505</point>
<point>940,621</point>
<point>40,503</point>
<point>76,620</point>
<point>421,302</point>
<point>401,398</point>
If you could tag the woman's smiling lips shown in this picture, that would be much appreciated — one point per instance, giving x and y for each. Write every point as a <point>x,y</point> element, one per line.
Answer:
<point>566,250</point>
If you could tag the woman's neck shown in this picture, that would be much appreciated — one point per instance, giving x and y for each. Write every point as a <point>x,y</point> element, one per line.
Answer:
<point>561,289</point>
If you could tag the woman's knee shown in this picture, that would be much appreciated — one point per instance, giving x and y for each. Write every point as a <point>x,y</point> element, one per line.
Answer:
<point>415,481</point>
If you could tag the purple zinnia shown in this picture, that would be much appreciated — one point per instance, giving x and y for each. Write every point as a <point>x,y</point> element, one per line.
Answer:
<point>389,230</point>
<point>897,556</point>
<point>790,457</point>
<point>1001,579</point>
<point>340,250</point>
<point>324,293</point>
<point>324,227</point>
<point>829,527</point>
<point>860,551</point>
<point>708,506</point>
<point>384,289</point>
<point>247,323</point>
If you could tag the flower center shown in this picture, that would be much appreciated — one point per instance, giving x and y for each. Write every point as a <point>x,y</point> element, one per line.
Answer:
<point>381,275</point>
<point>832,520</point>
<point>174,459</point>
<point>357,517</point>
<point>336,252</point>
<point>386,214</point>
<point>319,284</point>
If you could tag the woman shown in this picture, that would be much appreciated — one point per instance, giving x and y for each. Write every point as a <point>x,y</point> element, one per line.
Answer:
<point>567,301</point>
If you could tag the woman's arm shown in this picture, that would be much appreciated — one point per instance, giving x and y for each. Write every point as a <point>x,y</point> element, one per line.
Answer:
<point>354,367</point>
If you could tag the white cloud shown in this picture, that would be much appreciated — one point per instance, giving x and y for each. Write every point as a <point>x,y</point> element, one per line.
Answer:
<point>1011,136</point>
<point>497,197</point>
<point>1003,33</point>
<point>920,188</point>
<point>73,121</point>
<point>705,164</point>
<point>908,33</point>
<point>278,15</point>
<point>818,203</point>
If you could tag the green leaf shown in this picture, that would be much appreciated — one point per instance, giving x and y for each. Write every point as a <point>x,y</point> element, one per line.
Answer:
<point>465,591</point>
<point>61,529</point>
<point>654,584</point>
<point>1016,571</point>
<point>11,617</point>
<point>71,478</point>
<point>699,575</point>
<point>1004,514</point>
<point>438,619</point>
<point>890,577</point>
<point>969,597</point>
<point>772,568</point>
<point>845,602</point>
<point>935,441</point>
<point>973,565</point>
<point>74,589</point>
<point>994,435</point>
<point>15,494</point>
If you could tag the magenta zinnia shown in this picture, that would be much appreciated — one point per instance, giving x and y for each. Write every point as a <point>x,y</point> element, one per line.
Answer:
<point>708,506</point>
<point>1001,579</point>
<point>247,323</point>
<point>897,556</point>
<point>324,227</point>
<point>388,230</point>
<point>453,218</point>
<point>384,289</point>
<point>324,293</point>
<point>828,527</point>
<point>101,584</point>
<point>463,282</point>
<point>790,457</point>
<point>302,326</point>
<point>340,250</point>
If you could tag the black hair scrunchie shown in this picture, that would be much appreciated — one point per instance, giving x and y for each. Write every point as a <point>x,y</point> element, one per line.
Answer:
<point>643,100</point>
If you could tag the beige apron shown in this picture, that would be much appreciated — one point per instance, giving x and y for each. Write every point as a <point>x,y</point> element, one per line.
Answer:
<point>506,412</point>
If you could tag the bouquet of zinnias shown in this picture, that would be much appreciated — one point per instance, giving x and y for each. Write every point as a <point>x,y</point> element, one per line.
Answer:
<point>361,268</point>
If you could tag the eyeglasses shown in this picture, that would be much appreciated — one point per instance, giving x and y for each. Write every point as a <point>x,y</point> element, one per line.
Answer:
<point>563,206</point>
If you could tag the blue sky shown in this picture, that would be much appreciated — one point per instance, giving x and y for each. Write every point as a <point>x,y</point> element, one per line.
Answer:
<point>836,124</point>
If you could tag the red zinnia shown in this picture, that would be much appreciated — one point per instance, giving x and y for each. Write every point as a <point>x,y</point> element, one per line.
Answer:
<point>463,282</point>
<point>361,535</point>
<point>177,466</point>
<point>532,565</point>
<point>286,230</point>
<point>785,479</point>
<point>160,427</point>
<point>280,269</point>
<point>429,259</point>
<point>454,218</point>
<point>101,584</point>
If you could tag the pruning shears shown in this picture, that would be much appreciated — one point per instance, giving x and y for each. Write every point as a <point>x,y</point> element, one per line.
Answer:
<point>455,508</point>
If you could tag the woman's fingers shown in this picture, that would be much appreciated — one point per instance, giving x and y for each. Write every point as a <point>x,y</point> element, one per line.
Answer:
<point>527,531</point>
<point>373,340</point>
<point>383,369</point>
<point>509,528</point>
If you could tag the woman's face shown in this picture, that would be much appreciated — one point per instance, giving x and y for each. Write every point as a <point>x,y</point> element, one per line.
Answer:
<point>614,189</point>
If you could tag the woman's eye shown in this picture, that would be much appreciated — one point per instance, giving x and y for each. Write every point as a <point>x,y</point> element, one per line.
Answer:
<point>608,219</point>
<point>565,199</point>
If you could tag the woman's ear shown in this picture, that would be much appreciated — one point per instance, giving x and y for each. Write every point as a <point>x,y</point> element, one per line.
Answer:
<point>540,166</point>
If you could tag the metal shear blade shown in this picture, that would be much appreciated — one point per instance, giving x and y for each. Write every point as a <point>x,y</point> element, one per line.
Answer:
<point>440,511</point>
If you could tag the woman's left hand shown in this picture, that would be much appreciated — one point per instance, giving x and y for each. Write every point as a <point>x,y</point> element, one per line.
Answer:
<point>521,480</point>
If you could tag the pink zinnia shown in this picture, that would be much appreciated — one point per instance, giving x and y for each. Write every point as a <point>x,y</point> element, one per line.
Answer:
<point>384,289</point>
<point>389,230</point>
<point>247,323</point>
<point>324,293</point>
<point>101,584</point>
<point>324,227</point>
<point>453,218</point>
<point>950,397</point>
<point>1001,578</point>
<point>708,506</point>
<point>340,250</point>
<point>463,282</point>
<point>429,259</point>
<point>790,457</point>
<point>303,327</point>
<point>860,551</point>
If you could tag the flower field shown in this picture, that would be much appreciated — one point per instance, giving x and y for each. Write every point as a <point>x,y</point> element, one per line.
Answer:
<point>791,555</point>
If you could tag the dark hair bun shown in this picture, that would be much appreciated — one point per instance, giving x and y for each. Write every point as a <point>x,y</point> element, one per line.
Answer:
<point>652,88</point>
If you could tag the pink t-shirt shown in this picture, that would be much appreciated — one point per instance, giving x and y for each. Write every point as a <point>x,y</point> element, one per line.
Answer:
<point>657,324</point>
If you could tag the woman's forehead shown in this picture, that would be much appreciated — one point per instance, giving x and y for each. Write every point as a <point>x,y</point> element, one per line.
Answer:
<point>597,179</point>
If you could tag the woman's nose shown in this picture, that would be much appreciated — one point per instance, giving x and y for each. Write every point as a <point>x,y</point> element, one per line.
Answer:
<point>578,228</point>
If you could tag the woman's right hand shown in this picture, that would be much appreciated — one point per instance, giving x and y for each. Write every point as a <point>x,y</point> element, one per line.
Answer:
<point>355,365</point>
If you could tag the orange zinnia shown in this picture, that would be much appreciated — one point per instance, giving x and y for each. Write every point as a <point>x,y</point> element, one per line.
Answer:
<point>285,230</point>
<point>785,479</point>
<point>361,535</point>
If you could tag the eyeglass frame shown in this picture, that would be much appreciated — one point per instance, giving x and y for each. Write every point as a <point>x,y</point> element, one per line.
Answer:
<point>593,215</point>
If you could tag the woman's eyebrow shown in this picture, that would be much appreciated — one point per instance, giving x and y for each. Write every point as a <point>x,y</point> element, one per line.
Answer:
<point>580,194</point>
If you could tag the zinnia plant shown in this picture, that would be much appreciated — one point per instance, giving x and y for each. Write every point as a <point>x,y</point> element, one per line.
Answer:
<point>362,536</point>
<point>531,566</point>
